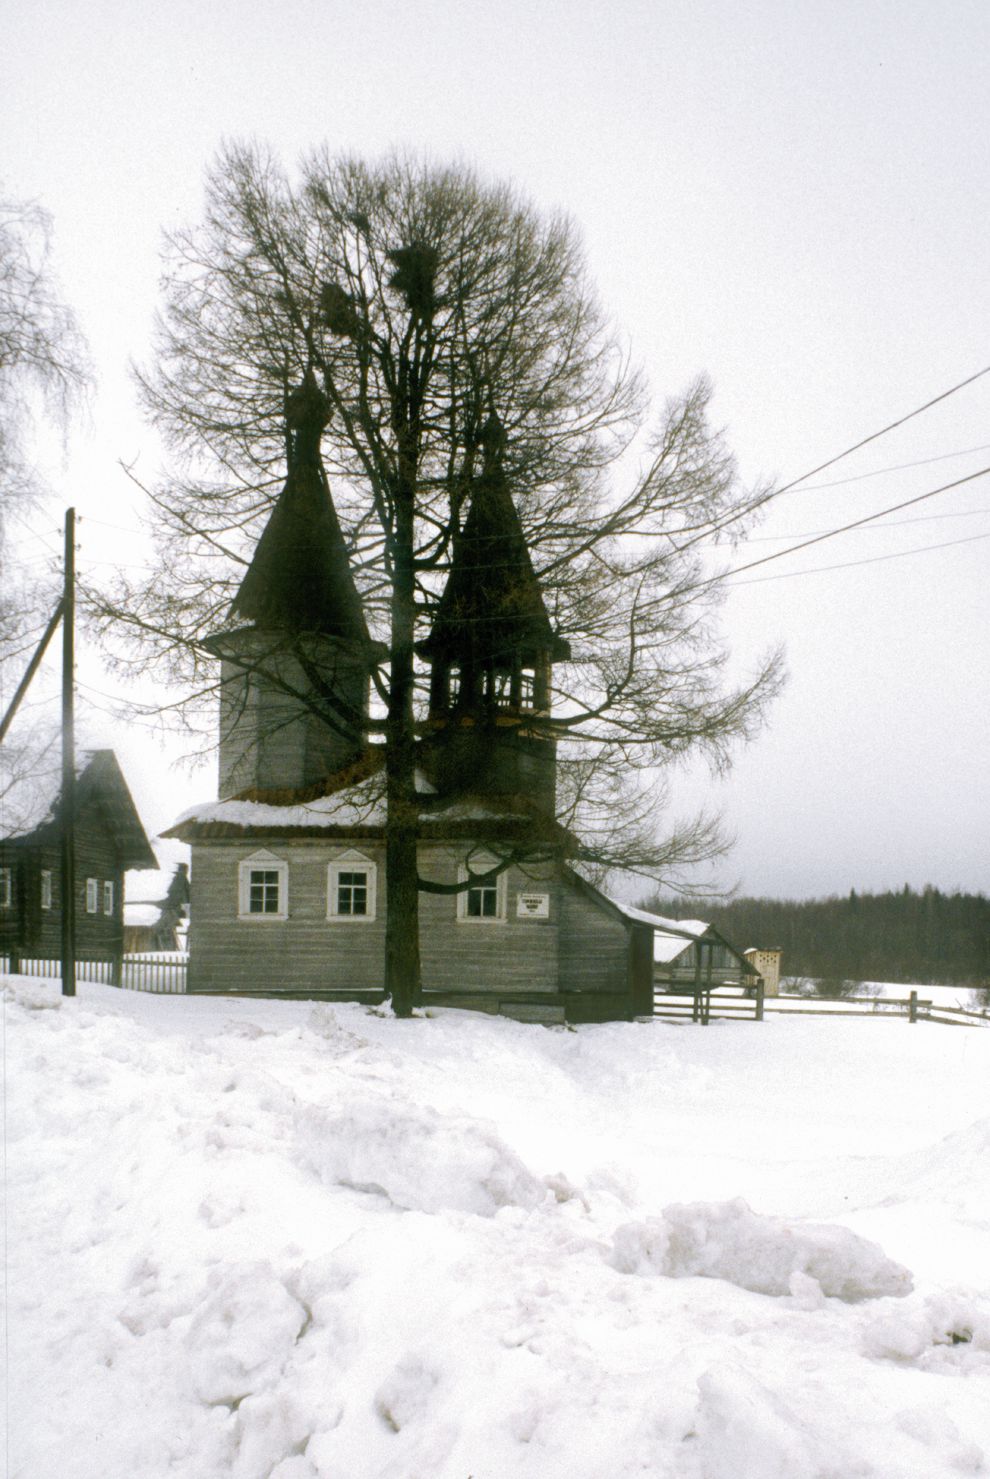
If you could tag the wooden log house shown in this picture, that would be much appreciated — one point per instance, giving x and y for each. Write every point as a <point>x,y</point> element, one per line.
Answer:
<point>109,839</point>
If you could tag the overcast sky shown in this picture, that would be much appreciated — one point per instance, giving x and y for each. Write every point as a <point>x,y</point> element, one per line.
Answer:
<point>789,195</point>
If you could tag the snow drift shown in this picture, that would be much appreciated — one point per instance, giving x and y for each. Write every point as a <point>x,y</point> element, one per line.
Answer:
<point>418,1158</point>
<point>726,1240</point>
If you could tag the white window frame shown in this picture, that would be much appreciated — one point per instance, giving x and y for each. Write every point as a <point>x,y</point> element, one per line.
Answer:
<point>6,888</point>
<point>481,864</point>
<point>92,896</point>
<point>262,862</point>
<point>352,862</point>
<point>108,896</point>
<point>46,888</point>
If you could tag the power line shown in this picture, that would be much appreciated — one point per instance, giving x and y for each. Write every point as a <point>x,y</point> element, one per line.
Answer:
<point>894,467</point>
<point>856,524</point>
<point>869,560</point>
<point>733,518</point>
<point>893,425</point>
<point>118,528</point>
<point>963,513</point>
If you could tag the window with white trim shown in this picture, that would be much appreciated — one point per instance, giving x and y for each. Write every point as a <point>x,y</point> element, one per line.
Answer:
<point>6,887</point>
<point>482,902</point>
<point>92,896</point>
<point>108,897</point>
<point>263,887</point>
<point>46,888</point>
<point>351,887</point>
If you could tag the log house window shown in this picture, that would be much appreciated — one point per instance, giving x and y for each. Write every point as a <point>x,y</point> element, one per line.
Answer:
<point>108,897</point>
<point>482,902</point>
<point>6,888</point>
<point>351,888</point>
<point>263,888</point>
<point>46,888</point>
<point>92,896</point>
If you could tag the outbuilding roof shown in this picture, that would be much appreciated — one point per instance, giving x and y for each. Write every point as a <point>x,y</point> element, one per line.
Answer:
<point>99,781</point>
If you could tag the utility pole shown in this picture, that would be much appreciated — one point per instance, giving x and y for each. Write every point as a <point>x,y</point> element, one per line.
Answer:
<point>69,760</point>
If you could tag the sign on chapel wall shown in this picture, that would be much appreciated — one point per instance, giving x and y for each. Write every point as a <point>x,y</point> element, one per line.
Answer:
<point>533,906</point>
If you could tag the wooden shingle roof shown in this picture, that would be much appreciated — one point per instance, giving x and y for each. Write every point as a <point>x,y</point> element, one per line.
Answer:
<point>100,782</point>
<point>491,605</point>
<point>300,578</point>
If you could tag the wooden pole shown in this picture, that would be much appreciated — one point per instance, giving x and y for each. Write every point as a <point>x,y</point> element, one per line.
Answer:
<point>708,986</point>
<point>32,668</point>
<point>913,1007</point>
<point>68,760</point>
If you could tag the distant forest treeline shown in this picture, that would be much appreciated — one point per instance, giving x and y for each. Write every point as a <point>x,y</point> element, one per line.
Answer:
<point>929,937</point>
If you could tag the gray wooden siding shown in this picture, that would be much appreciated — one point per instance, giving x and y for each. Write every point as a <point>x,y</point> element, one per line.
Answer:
<point>486,956</point>
<point>581,948</point>
<point>594,946</point>
<point>306,952</point>
<point>268,738</point>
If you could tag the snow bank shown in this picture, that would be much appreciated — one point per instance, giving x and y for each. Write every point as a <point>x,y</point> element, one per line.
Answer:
<point>748,1431</point>
<point>241,1334</point>
<point>942,1331</point>
<point>750,1428</point>
<point>417,1158</point>
<point>726,1240</point>
<point>197,1290</point>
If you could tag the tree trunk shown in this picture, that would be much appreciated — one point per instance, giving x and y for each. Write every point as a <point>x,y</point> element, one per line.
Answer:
<point>402,970</point>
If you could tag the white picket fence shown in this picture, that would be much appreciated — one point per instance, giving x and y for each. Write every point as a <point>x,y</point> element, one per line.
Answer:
<point>160,971</point>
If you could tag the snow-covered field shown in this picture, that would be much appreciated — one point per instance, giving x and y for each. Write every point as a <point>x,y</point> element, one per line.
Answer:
<point>273,1240</point>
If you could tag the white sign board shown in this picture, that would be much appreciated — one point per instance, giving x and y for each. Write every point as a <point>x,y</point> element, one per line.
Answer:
<point>533,906</point>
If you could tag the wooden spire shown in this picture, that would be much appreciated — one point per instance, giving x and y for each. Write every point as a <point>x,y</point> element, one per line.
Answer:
<point>300,578</point>
<point>491,606</point>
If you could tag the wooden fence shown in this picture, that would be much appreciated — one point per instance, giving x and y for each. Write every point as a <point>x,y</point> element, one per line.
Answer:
<point>162,972</point>
<point>728,1003</point>
<point>711,1005</point>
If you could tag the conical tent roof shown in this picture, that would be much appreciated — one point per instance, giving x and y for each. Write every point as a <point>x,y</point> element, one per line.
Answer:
<point>300,578</point>
<point>491,605</point>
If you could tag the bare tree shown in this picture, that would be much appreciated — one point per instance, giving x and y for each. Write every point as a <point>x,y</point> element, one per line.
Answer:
<point>429,308</point>
<point>43,356</point>
<point>44,377</point>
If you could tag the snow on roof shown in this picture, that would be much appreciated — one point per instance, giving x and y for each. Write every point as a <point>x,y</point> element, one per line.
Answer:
<point>32,803</point>
<point>668,947</point>
<point>362,804</point>
<point>146,884</point>
<point>474,810</point>
<point>690,928</point>
<point>141,914</point>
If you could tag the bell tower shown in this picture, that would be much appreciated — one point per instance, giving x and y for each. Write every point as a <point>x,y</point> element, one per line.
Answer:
<point>296,659</point>
<point>491,651</point>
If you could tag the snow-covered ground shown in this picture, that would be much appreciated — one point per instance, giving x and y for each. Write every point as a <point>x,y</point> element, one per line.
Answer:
<point>941,996</point>
<point>273,1240</point>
